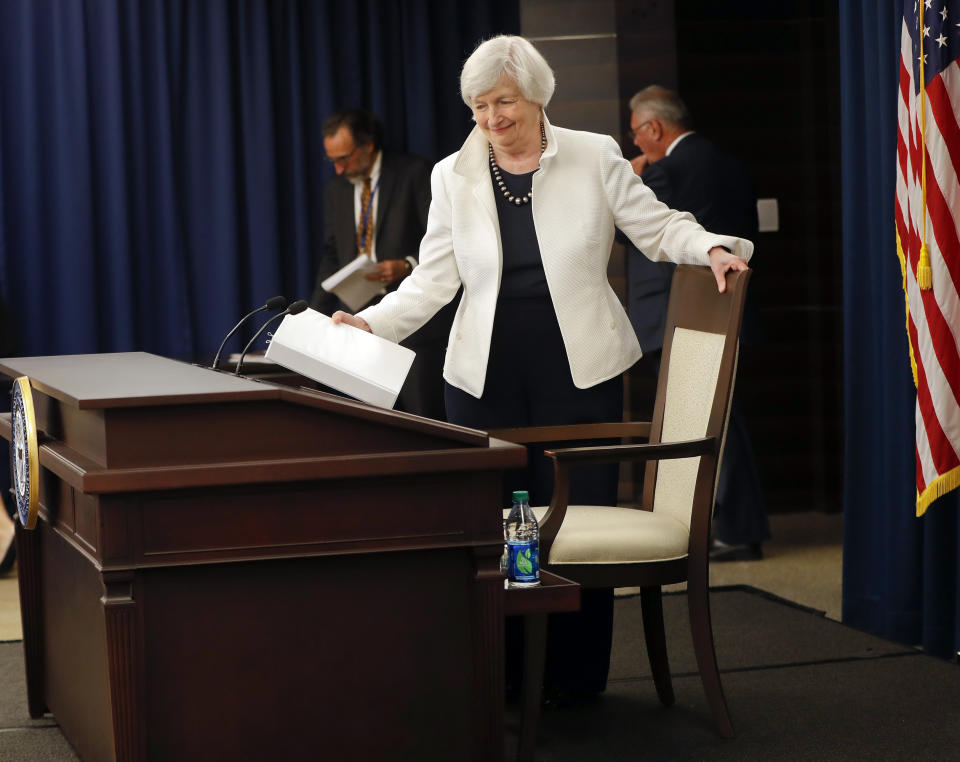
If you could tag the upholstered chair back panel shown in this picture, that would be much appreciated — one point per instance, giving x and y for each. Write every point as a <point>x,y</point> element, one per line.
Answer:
<point>691,381</point>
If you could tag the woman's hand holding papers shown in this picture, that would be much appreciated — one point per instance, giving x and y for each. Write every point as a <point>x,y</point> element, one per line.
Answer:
<point>345,317</point>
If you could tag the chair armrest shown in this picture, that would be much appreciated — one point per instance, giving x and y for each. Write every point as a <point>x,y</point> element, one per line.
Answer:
<point>650,451</point>
<point>531,434</point>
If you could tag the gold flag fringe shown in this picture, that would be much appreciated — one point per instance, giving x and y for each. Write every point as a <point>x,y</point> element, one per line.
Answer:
<point>937,488</point>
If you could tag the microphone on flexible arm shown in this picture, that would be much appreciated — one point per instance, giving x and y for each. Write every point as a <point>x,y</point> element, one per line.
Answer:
<point>272,304</point>
<point>294,309</point>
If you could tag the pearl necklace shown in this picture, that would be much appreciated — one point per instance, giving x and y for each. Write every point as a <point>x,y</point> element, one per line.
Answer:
<point>498,178</point>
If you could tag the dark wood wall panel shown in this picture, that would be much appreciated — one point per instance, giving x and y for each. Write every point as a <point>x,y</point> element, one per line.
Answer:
<point>552,18</point>
<point>647,54</point>
<point>586,97</point>
<point>769,92</point>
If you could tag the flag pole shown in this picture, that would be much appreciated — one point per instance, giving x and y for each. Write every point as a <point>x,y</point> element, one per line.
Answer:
<point>924,273</point>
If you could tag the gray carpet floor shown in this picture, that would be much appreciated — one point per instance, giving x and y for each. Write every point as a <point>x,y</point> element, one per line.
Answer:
<point>799,686</point>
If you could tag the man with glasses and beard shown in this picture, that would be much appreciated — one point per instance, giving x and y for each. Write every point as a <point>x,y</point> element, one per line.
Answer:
<point>377,205</point>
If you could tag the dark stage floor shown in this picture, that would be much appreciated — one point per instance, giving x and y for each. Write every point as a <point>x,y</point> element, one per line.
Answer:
<point>799,686</point>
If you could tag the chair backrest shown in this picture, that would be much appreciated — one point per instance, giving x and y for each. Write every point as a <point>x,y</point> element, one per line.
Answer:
<point>695,384</point>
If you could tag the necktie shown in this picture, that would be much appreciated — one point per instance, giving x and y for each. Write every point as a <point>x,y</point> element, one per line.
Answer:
<point>365,226</point>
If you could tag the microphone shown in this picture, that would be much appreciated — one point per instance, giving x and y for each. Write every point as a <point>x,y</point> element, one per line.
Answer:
<point>275,303</point>
<point>294,309</point>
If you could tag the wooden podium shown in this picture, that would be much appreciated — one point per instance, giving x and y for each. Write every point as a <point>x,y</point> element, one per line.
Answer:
<point>229,569</point>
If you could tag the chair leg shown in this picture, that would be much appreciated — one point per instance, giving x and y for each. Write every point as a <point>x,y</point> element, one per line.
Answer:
<point>534,657</point>
<point>651,605</point>
<point>698,602</point>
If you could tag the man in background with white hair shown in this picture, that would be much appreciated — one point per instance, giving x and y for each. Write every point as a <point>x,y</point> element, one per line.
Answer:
<point>688,172</point>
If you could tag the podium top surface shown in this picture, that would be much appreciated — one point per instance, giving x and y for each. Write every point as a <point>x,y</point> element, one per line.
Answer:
<point>139,380</point>
<point>133,421</point>
<point>125,379</point>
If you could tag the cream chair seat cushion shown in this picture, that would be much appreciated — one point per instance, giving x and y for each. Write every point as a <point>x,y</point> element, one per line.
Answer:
<point>599,534</point>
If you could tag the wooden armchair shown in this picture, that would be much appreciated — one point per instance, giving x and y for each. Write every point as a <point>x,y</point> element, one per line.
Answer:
<point>668,540</point>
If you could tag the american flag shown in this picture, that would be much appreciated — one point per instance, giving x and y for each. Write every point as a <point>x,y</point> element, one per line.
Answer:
<point>928,216</point>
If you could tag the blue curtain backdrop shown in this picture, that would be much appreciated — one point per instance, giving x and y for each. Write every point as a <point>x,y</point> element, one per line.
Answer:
<point>161,163</point>
<point>900,573</point>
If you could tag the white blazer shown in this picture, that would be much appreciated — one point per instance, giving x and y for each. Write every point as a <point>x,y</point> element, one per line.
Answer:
<point>583,189</point>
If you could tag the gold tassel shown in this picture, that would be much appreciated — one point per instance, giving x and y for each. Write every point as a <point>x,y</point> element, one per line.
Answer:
<point>938,488</point>
<point>924,274</point>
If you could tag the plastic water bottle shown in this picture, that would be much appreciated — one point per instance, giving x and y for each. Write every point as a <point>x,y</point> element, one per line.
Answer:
<point>522,534</point>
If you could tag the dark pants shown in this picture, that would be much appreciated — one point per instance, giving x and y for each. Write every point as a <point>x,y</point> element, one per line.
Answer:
<point>740,515</point>
<point>423,390</point>
<point>528,383</point>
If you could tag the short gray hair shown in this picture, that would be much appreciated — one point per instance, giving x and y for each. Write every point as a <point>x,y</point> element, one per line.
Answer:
<point>662,104</point>
<point>514,56</point>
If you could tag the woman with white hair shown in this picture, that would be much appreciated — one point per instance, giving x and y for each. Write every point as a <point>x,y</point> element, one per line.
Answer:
<point>523,218</point>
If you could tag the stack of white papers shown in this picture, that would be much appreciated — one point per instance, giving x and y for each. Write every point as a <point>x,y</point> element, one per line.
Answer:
<point>343,357</point>
<point>350,285</point>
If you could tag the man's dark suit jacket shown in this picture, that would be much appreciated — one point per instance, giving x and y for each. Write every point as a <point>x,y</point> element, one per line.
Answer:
<point>403,201</point>
<point>713,186</point>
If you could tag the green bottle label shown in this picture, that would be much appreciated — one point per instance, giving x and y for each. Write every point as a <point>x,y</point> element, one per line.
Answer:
<point>523,561</point>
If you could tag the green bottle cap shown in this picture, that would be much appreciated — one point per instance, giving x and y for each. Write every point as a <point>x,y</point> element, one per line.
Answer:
<point>521,496</point>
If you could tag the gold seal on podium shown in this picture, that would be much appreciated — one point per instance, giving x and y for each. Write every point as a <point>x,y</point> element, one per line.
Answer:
<point>24,453</point>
